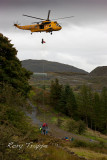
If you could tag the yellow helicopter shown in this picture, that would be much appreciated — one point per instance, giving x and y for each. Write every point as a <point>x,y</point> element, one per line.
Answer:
<point>45,25</point>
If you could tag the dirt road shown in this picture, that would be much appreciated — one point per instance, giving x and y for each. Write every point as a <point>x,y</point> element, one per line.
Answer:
<point>53,129</point>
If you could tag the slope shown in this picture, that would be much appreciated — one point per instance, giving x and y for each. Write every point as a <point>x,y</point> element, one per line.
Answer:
<point>99,71</point>
<point>37,66</point>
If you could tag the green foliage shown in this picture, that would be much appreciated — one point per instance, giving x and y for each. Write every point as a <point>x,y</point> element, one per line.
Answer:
<point>17,119</point>
<point>72,126</point>
<point>104,107</point>
<point>10,97</point>
<point>11,70</point>
<point>85,100</point>
<point>63,99</point>
<point>14,125</point>
<point>92,145</point>
<point>77,127</point>
<point>71,103</point>
<point>92,108</point>
<point>39,96</point>
<point>88,106</point>
<point>80,143</point>
<point>81,127</point>
<point>58,154</point>
<point>102,144</point>
<point>59,122</point>
<point>55,94</point>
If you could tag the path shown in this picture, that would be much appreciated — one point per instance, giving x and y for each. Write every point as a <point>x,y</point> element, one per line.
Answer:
<point>53,129</point>
<point>33,116</point>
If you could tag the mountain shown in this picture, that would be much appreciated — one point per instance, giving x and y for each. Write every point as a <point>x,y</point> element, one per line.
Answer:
<point>99,71</point>
<point>40,66</point>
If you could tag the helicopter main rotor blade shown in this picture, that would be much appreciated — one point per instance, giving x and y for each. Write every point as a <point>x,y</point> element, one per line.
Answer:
<point>33,17</point>
<point>48,14</point>
<point>63,18</point>
<point>36,22</point>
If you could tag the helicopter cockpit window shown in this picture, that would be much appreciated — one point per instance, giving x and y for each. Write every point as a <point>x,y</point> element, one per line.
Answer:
<point>50,25</point>
<point>57,25</point>
<point>35,26</point>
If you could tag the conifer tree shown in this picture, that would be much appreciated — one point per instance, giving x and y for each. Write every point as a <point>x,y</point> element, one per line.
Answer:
<point>104,107</point>
<point>96,111</point>
<point>62,102</point>
<point>71,104</point>
<point>55,93</point>
<point>84,103</point>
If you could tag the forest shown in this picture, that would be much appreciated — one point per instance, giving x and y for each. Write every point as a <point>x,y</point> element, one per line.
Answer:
<point>86,104</point>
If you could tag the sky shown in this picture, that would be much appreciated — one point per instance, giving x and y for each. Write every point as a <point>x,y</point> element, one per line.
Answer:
<point>82,42</point>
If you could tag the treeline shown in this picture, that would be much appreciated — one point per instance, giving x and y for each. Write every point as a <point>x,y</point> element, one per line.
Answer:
<point>86,105</point>
<point>11,70</point>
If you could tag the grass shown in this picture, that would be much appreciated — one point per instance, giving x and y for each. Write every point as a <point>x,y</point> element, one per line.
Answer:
<point>91,150</point>
<point>94,135</point>
<point>54,120</point>
<point>59,154</point>
<point>91,155</point>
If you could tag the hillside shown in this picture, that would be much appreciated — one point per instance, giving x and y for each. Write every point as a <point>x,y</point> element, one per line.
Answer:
<point>21,135</point>
<point>38,65</point>
<point>99,71</point>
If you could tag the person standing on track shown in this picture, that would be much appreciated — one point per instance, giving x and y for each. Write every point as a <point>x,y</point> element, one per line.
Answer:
<point>44,128</point>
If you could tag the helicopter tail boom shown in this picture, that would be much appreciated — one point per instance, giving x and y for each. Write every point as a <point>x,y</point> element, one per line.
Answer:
<point>23,27</point>
<point>16,25</point>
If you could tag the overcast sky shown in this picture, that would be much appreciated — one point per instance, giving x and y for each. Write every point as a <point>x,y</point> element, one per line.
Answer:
<point>82,42</point>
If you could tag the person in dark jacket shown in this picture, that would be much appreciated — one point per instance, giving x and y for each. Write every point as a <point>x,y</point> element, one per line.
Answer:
<point>44,128</point>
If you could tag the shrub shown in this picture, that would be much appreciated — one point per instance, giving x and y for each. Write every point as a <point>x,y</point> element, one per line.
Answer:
<point>59,122</point>
<point>77,127</point>
<point>81,127</point>
<point>72,126</point>
<point>80,143</point>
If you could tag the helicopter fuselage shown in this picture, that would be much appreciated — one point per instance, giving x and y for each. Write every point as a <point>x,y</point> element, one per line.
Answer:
<point>45,26</point>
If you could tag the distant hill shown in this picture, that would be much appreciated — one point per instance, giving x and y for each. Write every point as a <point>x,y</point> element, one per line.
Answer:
<point>38,65</point>
<point>99,71</point>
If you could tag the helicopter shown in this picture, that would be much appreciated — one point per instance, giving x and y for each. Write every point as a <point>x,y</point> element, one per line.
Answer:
<point>45,25</point>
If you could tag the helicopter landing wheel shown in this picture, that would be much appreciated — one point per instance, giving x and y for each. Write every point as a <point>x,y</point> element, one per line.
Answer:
<point>31,33</point>
<point>51,33</point>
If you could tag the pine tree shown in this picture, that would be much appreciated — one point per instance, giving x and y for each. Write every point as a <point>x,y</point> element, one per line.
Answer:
<point>97,111</point>
<point>55,94</point>
<point>104,107</point>
<point>84,103</point>
<point>71,104</point>
<point>62,102</point>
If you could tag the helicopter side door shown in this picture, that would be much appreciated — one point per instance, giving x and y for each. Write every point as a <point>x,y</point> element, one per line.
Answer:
<point>41,26</point>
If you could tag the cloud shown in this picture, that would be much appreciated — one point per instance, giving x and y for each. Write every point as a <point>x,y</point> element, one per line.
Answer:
<point>81,42</point>
<point>83,47</point>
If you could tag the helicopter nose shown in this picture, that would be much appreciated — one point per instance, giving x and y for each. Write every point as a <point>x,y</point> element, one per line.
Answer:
<point>60,27</point>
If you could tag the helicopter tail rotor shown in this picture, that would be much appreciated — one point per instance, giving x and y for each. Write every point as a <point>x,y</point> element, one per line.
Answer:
<point>16,24</point>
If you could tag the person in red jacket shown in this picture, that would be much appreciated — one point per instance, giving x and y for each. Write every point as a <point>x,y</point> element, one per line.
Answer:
<point>44,128</point>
